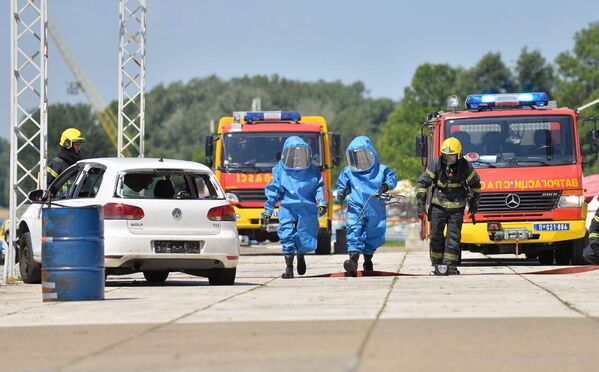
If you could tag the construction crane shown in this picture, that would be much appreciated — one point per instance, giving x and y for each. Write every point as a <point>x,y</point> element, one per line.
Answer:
<point>105,116</point>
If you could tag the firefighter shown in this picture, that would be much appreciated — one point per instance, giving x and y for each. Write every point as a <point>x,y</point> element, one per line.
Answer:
<point>366,216</point>
<point>70,147</point>
<point>454,182</point>
<point>591,252</point>
<point>299,187</point>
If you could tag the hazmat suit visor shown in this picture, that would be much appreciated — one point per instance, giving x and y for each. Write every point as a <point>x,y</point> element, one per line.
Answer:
<point>360,159</point>
<point>296,157</point>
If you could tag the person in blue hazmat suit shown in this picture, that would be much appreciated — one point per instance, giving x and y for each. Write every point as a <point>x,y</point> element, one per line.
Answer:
<point>298,185</point>
<point>366,216</point>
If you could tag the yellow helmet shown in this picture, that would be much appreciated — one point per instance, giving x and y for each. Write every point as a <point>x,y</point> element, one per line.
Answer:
<point>69,137</point>
<point>451,146</point>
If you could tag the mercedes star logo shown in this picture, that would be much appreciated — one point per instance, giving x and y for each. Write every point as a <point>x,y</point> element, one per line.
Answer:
<point>512,201</point>
<point>177,213</point>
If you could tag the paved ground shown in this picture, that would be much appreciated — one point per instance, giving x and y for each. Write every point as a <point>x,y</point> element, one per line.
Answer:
<point>493,317</point>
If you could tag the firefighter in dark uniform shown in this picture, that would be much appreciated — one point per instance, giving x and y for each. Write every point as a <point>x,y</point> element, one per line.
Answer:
<point>591,252</point>
<point>70,145</point>
<point>454,182</point>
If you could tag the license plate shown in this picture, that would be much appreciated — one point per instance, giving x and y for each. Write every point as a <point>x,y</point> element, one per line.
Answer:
<point>177,246</point>
<point>552,226</point>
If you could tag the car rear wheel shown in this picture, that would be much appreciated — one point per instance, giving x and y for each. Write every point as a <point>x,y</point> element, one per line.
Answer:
<point>563,255</point>
<point>578,246</point>
<point>222,276</point>
<point>31,271</point>
<point>156,276</point>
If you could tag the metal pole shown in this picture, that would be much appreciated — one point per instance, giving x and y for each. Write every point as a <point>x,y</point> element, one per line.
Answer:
<point>28,110</point>
<point>132,76</point>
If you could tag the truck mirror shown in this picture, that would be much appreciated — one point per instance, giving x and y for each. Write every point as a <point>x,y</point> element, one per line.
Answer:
<point>336,145</point>
<point>421,146</point>
<point>209,151</point>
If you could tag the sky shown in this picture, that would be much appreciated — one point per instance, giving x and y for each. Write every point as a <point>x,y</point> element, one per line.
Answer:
<point>378,42</point>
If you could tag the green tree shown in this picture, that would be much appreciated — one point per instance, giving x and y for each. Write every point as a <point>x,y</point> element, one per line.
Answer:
<point>533,73</point>
<point>489,75</point>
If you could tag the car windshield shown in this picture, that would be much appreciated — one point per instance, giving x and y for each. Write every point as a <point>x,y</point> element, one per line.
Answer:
<point>515,141</point>
<point>262,151</point>
<point>164,184</point>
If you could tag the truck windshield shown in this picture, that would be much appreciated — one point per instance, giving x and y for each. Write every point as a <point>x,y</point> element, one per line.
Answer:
<point>515,141</point>
<point>262,151</point>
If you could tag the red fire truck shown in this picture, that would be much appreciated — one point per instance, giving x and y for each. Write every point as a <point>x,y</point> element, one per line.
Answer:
<point>527,153</point>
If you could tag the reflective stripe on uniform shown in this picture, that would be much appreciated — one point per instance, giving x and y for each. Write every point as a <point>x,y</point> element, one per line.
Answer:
<point>52,172</point>
<point>449,204</point>
<point>437,255</point>
<point>471,176</point>
<point>475,190</point>
<point>451,257</point>
<point>421,190</point>
<point>430,173</point>
<point>596,218</point>
<point>594,236</point>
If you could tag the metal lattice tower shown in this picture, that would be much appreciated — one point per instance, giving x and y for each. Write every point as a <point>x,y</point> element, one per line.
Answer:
<point>28,109</point>
<point>132,77</point>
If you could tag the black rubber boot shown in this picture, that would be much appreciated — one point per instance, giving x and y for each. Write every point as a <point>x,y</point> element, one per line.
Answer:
<point>452,270</point>
<point>301,264</point>
<point>367,265</point>
<point>351,265</point>
<point>288,274</point>
<point>440,270</point>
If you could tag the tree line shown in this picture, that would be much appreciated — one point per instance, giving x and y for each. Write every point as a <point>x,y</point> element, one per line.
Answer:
<point>178,114</point>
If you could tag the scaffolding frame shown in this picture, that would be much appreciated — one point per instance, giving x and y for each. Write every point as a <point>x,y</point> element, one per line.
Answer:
<point>132,78</point>
<point>28,110</point>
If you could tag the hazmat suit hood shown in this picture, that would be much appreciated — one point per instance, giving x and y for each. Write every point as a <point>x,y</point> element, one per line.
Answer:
<point>301,152</point>
<point>364,143</point>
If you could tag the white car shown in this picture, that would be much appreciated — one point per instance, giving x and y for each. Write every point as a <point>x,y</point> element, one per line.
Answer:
<point>160,216</point>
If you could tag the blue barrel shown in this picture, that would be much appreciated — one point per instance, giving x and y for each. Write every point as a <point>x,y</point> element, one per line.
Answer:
<point>72,254</point>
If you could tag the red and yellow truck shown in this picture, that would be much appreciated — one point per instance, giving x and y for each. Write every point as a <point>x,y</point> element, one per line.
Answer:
<point>246,147</point>
<point>527,153</point>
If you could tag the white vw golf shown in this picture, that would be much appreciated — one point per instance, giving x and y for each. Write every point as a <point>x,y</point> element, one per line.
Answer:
<point>160,216</point>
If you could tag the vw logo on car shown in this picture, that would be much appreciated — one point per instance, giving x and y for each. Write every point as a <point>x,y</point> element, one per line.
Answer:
<point>177,213</point>
<point>512,201</point>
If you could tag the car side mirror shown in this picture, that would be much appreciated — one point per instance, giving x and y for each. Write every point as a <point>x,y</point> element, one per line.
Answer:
<point>336,146</point>
<point>209,151</point>
<point>37,196</point>
<point>421,149</point>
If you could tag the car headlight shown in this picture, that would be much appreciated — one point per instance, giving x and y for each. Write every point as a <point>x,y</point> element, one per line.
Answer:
<point>570,201</point>
<point>232,198</point>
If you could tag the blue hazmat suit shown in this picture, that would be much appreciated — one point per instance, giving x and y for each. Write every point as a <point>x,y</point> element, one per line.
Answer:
<point>365,234</point>
<point>299,191</point>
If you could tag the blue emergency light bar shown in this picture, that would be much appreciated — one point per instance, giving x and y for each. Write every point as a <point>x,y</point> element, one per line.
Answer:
<point>251,117</point>
<point>480,101</point>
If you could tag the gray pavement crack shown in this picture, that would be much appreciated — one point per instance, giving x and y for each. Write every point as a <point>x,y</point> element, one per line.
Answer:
<point>159,326</point>
<point>567,304</point>
<point>355,363</point>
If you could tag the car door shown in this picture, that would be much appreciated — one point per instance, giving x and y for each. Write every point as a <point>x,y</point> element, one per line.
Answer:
<point>60,192</point>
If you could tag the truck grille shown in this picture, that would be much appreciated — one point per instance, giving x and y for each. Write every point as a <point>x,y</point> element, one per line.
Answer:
<point>249,195</point>
<point>537,201</point>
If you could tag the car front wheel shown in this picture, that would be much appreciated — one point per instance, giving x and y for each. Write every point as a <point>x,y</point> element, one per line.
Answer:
<point>222,276</point>
<point>31,271</point>
<point>156,276</point>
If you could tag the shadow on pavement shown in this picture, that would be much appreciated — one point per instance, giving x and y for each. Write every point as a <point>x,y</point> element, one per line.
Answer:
<point>168,283</point>
<point>475,262</point>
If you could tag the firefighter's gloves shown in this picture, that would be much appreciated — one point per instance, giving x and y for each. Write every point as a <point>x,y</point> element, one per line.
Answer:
<point>322,210</point>
<point>472,206</point>
<point>265,220</point>
<point>384,187</point>
<point>420,209</point>
<point>341,196</point>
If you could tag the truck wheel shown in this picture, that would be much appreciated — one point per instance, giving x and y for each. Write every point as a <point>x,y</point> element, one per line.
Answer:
<point>31,271</point>
<point>578,246</point>
<point>156,276</point>
<point>546,257</point>
<point>324,243</point>
<point>222,276</point>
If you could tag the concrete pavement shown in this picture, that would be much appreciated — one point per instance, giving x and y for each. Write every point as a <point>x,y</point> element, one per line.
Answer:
<point>493,317</point>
